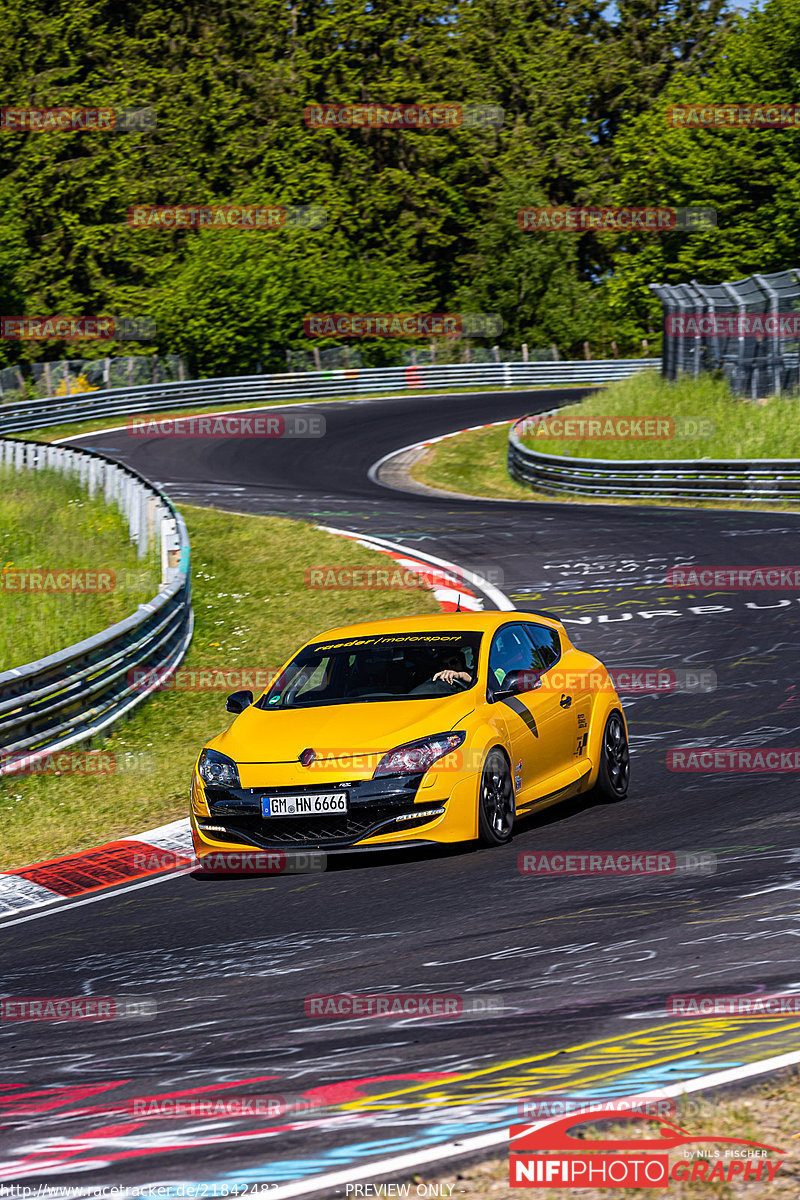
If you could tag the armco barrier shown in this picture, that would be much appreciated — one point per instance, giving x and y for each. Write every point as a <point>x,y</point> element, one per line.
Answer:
<point>249,390</point>
<point>649,479</point>
<point>74,694</point>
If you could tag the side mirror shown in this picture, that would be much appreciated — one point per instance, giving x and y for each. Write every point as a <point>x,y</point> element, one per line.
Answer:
<point>238,701</point>
<point>516,682</point>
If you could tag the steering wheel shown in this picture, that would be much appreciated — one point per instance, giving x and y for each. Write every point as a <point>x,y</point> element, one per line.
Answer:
<point>459,684</point>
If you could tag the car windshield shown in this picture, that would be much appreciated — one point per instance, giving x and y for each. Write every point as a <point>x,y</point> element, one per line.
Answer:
<point>393,666</point>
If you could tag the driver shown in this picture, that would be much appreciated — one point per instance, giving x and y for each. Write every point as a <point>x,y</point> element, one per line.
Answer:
<point>454,666</point>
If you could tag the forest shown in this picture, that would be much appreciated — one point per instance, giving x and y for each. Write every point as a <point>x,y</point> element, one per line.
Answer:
<point>420,216</point>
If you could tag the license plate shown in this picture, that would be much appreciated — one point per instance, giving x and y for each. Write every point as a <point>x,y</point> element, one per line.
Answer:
<point>303,806</point>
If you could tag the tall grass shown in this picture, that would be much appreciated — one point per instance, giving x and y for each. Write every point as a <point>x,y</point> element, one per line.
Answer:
<point>48,522</point>
<point>734,428</point>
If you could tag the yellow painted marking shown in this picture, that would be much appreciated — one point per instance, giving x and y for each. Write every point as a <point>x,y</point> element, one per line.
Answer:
<point>691,1034</point>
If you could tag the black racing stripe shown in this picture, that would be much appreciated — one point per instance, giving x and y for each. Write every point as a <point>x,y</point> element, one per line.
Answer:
<point>521,711</point>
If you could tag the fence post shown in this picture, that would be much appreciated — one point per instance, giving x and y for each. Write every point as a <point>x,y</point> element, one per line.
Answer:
<point>741,355</point>
<point>776,342</point>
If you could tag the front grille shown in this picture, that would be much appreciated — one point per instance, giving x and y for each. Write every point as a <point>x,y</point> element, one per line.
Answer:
<point>376,806</point>
<point>302,831</point>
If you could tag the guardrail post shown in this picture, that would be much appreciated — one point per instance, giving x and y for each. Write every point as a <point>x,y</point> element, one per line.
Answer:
<point>131,507</point>
<point>170,548</point>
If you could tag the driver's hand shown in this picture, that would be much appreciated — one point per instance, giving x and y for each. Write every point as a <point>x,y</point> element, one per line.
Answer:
<point>450,676</point>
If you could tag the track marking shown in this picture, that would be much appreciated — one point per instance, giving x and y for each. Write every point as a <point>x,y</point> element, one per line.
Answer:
<point>50,911</point>
<point>403,1164</point>
<point>495,595</point>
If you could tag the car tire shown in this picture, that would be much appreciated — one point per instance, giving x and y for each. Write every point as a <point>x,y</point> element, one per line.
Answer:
<point>613,776</point>
<point>496,802</point>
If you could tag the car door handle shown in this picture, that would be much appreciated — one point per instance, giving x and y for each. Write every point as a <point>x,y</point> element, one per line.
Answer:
<point>565,701</point>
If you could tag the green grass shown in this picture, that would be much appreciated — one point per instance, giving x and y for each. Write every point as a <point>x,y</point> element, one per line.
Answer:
<point>767,428</point>
<point>252,611</point>
<point>48,521</point>
<point>473,463</point>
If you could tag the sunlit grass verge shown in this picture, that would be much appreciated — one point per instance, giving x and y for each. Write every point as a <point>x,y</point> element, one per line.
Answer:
<point>473,463</point>
<point>48,522</point>
<point>252,611</point>
<point>709,422</point>
<point>768,1113</point>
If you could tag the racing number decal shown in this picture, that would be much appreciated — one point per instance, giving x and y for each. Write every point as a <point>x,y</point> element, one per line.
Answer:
<point>519,708</point>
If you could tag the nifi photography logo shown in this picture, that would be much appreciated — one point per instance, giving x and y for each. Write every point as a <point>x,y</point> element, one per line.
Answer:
<point>554,1155</point>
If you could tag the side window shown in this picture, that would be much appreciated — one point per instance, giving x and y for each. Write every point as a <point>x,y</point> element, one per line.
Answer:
<point>511,651</point>
<point>546,646</point>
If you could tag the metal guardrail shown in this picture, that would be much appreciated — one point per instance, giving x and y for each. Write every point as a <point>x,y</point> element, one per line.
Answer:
<point>250,390</point>
<point>761,479</point>
<point>72,695</point>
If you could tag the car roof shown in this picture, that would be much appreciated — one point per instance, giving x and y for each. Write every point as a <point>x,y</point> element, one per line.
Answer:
<point>465,621</point>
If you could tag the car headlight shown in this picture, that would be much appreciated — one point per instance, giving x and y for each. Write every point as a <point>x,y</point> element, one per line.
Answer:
<point>218,770</point>
<point>414,758</point>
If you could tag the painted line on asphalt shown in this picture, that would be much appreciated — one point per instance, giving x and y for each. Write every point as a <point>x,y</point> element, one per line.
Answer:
<point>500,599</point>
<point>47,910</point>
<point>404,1164</point>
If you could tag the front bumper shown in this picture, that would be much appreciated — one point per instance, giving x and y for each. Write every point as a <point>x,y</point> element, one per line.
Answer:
<point>386,811</point>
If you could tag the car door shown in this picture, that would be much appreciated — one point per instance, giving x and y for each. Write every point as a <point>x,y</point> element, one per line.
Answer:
<point>535,722</point>
<point>568,708</point>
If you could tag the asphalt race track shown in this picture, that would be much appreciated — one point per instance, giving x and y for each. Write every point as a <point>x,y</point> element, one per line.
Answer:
<point>583,964</point>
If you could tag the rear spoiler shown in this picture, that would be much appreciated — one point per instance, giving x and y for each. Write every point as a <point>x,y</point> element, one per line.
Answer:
<point>539,612</point>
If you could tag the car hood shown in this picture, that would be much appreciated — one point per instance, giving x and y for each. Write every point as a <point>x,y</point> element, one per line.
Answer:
<point>337,730</point>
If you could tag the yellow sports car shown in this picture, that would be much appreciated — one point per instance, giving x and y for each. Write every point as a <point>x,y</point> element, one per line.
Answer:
<point>412,731</point>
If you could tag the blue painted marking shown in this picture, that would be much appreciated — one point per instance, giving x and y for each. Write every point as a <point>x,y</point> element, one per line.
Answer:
<point>335,1158</point>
